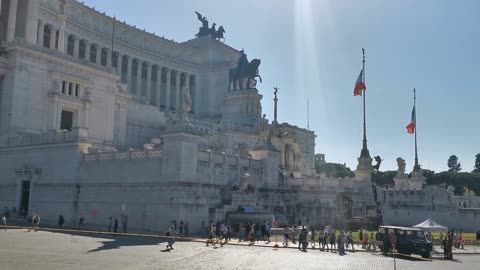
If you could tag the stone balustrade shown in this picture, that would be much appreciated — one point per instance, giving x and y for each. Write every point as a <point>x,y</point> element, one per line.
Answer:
<point>128,155</point>
<point>53,137</point>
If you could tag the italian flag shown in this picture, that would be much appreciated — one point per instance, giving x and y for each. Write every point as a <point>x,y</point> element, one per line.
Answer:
<point>411,126</point>
<point>359,85</point>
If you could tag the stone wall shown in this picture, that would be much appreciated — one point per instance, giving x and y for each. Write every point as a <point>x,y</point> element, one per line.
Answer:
<point>410,207</point>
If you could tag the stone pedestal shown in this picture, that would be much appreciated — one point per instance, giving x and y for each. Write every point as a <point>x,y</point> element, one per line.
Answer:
<point>401,181</point>
<point>270,161</point>
<point>180,156</point>
<point>241,111</point>
<point>417,180</point>
<point>364,169</point>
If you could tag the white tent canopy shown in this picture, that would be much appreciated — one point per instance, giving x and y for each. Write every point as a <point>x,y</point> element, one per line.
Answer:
<point>431,226</point>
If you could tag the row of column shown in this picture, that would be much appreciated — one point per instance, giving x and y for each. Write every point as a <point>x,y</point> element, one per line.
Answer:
<point>164,91</point>
<point>52,37</point>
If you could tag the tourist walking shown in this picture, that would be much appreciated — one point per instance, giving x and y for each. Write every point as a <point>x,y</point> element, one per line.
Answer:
<point>341,244</point>
<point>4,220</point>
<point>360,236</point>
<point>267,232</point>
<point>180,228</point>
<point>110,224</point>
<point>320,239</point>
<point>81,222</point>
<point>241,232</point>
<point>211,235</point>
<point>332,238</point>
<point>286,234</point>
<point>251,234</point>
<point>115,226</point>
<point>171,240</point>
<point>36,221</point>
<point>61,221</point>
<point>185,228</point>
<point>350,240</point>
<point>312,237</point>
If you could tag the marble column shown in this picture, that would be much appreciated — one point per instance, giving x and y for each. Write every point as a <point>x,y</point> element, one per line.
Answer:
<point>87,49</point>
<point>31,20</point>
<point>61,33</point>
<point>98,59</point>
<point>149,84</point>
<point>76,46</point>
<point>40,33</point>
<point>177,90</point>
<point>129,73</point>
<point>53,37</point>
<point>187,80</point>
<point>109,58</point>
<point>196,87</point>
<point>187,84</point>
<point>167,92</point>
<point>158,87</point>
<point>12,20</point>
<point>65,46</point>
<point>119,65</point>
<point>138,90</point>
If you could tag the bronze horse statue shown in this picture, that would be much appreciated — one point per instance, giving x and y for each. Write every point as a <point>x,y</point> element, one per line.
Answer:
<point>249,71</point>
<point>218,34</point>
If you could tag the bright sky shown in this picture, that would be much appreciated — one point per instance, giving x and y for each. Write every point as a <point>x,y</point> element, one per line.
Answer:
<point>312,50</point>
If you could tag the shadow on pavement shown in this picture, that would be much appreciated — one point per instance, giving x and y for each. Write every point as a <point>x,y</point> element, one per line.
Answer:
<point>121,241</point>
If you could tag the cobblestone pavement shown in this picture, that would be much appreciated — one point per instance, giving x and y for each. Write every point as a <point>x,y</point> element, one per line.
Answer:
<point>20,249</point>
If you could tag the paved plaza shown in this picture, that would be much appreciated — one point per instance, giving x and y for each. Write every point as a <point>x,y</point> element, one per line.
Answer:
<point>20,249</point>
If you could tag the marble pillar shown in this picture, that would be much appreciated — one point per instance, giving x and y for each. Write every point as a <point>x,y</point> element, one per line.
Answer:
<point>167,92</point>
<point>12,20</point>
<point>177,90</point>
<point>158,87</point>
<point>53,37</point>
<point>138,89</point>
<point>109,58</point>
<point>149,83</point>
<point>40,33</point>
<point>76,46</point>
<point>129,74</point>
<point>61,33</point>
<point>119,64</point>
<point>87,49</point>
<point>98,56</point>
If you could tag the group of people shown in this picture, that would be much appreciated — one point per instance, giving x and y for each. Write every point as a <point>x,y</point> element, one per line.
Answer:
<point>447,244</point>
<point>328,239</point>
<point>181,228</point>
<point>219,232</point>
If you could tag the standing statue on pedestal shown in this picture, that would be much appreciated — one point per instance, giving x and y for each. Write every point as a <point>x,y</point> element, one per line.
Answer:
<point>401,166</point>
<point>206,31</point>
<point>186,101</point>
<point>244,71</point>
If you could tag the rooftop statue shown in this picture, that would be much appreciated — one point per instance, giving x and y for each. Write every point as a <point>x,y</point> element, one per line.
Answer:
<point>206,31</point>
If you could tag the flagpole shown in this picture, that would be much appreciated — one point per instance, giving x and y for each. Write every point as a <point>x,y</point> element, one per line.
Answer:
<point>364,152</point>
<point>416,167</point>
<point>308,114</point>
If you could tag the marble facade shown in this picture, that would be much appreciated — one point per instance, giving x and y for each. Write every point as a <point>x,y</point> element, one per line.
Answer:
<point>90,129</point>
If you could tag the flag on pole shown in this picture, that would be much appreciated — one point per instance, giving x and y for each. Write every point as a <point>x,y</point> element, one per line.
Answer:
<point>359,85</point>
<point>411,126</point>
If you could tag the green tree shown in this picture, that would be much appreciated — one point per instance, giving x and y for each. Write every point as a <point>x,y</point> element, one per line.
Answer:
<point>453,165</point>
<point>476,167</point>
<point>333,169</point>
<point>383,178</point>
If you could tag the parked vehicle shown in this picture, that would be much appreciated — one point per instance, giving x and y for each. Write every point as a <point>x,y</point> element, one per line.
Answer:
<point>409,240</point>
